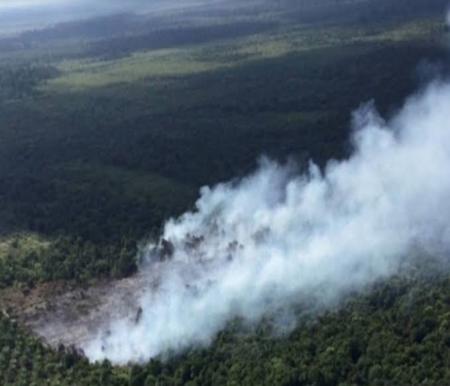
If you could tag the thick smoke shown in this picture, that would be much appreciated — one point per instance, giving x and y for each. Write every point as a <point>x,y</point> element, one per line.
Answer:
<point>277,238</point>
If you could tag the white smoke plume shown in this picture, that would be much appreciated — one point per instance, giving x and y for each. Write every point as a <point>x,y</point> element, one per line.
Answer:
<point>278,238</point>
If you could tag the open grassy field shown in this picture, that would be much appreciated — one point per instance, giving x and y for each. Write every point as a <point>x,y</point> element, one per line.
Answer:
<point>80,74</point>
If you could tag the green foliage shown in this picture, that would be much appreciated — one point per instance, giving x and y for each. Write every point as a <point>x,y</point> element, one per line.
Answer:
<point>24,360</point>
<point>96,151</point>
<point>404,342</point>
<point>18,81</point>
<point>94,170</point>
<point>65,257</point>
<point>362,344</point>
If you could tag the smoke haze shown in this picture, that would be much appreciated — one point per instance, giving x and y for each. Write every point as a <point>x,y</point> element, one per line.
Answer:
<point>17,16</point>
<point>277,238</point>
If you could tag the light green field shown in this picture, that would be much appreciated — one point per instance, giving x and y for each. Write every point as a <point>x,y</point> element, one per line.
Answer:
<point>92,73</point>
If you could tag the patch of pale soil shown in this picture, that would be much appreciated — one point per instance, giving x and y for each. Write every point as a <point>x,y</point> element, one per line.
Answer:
<point>62,313</point>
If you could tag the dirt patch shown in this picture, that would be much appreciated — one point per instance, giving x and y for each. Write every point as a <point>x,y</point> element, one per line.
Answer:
<point>64,313</point>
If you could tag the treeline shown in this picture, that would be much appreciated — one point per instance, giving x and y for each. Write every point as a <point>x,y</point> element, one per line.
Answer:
<point>405,5</point>
<point>335,11</point>
<point>65,258</point>
<point>174,37</point>
<point>20,80</point>
<point>121,34</point>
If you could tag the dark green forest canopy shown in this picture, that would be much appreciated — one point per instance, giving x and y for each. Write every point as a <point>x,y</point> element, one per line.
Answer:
<point>107,165</point>
<point>102,140</point>
<point>397,335</point>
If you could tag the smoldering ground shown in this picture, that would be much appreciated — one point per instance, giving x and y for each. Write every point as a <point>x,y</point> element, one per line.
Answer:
<point>279,238</point>
<point>262,245</point>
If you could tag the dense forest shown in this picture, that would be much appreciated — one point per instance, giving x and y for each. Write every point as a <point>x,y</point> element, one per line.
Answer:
<point>396,335</point>
<point>104,135</point>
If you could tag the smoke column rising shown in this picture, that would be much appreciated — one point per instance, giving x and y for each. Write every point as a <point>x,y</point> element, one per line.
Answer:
<point>277,238</point>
